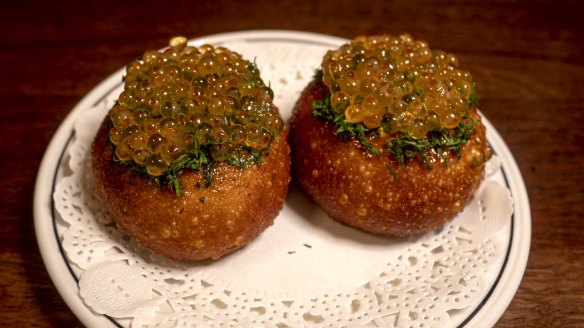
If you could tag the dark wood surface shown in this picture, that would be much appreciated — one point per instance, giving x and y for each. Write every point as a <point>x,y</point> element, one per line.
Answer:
<point>527,58</point>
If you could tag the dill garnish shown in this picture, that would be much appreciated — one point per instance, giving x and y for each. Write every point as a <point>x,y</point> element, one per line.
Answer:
<point>198,159</point>
<point>322,109</point>
<point>403,147</point>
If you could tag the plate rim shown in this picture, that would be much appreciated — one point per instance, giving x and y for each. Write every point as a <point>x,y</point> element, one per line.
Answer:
<point>488,312</point>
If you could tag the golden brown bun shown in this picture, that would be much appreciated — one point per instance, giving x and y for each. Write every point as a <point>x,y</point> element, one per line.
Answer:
<point>202,223</point>
<point>358,189</point>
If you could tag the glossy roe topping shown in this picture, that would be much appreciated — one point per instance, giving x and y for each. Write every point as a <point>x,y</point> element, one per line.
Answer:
<point>397,84</point>
<point>188,106</point>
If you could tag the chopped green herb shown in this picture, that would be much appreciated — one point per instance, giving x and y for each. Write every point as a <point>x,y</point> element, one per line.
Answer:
<point>393,171</point>
<point>404,147</point>
<point>196,160</point>
<point>322,109</point>
<point>475,161</point>
<point>401,146</point>
<point>208,174</point>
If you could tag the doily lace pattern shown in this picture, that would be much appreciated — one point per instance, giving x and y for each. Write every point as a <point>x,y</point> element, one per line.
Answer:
<point>305,271</point>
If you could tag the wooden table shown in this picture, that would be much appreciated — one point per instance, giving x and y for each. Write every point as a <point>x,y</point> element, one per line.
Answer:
<point>526,57</point>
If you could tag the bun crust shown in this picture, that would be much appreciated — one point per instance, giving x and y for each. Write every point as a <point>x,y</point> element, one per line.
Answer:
<point>201,223</point>
<point>359,189</point>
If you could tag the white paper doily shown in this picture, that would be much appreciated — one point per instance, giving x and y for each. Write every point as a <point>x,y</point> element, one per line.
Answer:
<point>304,271</point>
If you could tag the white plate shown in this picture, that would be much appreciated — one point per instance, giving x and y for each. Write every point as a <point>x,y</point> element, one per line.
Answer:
<point>501,285</point>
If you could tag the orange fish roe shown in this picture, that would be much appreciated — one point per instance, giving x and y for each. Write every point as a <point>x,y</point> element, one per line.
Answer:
<point>206,102</point>
<point>397,80</point>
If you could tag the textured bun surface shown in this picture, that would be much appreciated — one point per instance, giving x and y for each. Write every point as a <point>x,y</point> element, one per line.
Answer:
<point>361,190</point>
<point>201,223</point>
